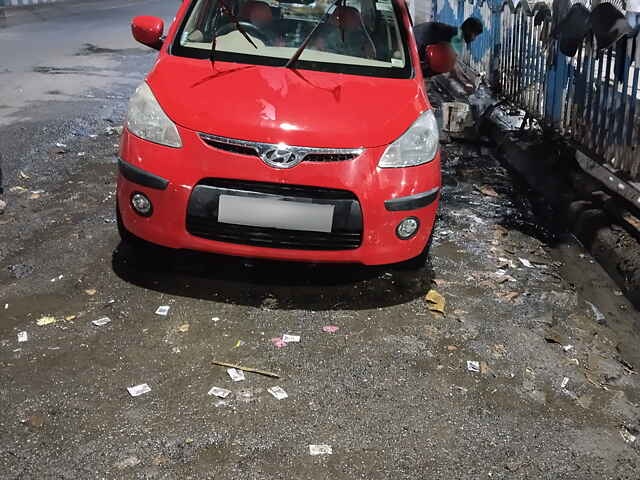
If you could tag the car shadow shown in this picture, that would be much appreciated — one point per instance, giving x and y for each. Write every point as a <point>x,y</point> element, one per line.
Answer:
<point>272,284</point>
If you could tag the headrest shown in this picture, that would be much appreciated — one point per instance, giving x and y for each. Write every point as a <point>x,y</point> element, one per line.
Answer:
<point>255,12</point>
<point>349,16</point>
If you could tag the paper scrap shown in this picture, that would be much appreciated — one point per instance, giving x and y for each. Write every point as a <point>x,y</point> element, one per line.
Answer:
<point>566,348</point>
<point>598,314</point>
<point>139,390</point>
<point>278,342</point>
<point>278,392</point>
<point>330,329</point>
<point>473,366</point>
<point>564,383</point>
<point>184,328</point>
<point>290,338</point>
<point>320,450</point>
<point>526,263</point>
<point>101,322</point>
<point>219,392</point>
<point>23,337</point>
<point>627,436</point>
<point>45,321</point>
<point>236,375</point>
<point>163,310</point>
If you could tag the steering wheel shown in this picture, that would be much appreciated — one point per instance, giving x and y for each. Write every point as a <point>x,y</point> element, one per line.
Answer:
<point>250,28</point>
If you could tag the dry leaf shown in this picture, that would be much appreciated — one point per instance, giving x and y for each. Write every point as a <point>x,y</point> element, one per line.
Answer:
<point>499,349</point>
<point>46,321</point>
<point>484,368</point>
<point>90,291</point>
<point>183,328</point>
<point>487,190</point>
<point>34,196</point>
<point>509,296</point>
<point>452,348</point>
<point>70,317</point>
<point>36,421</point>
<point>435,302</point>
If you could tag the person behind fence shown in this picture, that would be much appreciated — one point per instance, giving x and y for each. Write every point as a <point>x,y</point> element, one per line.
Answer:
<point>431,33</point>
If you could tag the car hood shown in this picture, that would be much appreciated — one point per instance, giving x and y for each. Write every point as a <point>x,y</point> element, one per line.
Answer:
<point>276,104</point>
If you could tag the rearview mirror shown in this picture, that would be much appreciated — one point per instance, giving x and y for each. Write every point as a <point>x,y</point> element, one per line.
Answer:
<point>439,58</point>
<point>148,31</point>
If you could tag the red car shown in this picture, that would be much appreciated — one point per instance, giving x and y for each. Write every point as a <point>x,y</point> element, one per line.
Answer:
<point>283,131</point>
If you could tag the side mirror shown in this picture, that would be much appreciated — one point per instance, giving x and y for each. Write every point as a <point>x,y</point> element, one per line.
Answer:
<point>440,58</point>
<point>148,31</point>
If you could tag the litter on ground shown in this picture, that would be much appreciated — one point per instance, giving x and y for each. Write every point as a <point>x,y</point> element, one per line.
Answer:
<point>139,390</point>
<point>597,313</point>
<point>219,392</point>
<point>473,366</point>
<point>101,322</point>
<point>277,392</point>
<point>236,375</point>
<point>320,450</point>
<point>163,310</point>
<point>330,329</point>
<point>290,338</point>
<point>45,321</point>
<point>23,337</point>
<point>278,342</point>
<point>435,302</point>
<point>246,369</point>
<point>526,263</point>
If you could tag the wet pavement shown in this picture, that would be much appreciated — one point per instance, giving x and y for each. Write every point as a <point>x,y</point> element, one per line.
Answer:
<point>556,394</point>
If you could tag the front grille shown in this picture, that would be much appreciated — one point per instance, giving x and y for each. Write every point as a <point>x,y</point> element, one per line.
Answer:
<point>329,157</point>
<point>255,149</point>
<point>271,237</point>
<point>280,189</point>
<point>233,148</point>
<point>202,216</point>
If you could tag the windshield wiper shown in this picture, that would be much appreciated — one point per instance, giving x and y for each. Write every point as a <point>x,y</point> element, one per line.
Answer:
<point>306,41</point>
<point>224,7</point>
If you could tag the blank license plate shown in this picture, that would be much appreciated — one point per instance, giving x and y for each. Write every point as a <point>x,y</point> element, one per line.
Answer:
<point>265,212</point>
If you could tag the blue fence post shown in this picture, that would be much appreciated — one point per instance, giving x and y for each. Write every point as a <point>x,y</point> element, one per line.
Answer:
<point>556,81</point>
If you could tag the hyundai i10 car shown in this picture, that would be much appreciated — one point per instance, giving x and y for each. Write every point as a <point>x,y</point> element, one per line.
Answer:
<point>274,130</point>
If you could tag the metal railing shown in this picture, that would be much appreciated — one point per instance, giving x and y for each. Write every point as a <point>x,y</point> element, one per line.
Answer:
<point>592,98</point>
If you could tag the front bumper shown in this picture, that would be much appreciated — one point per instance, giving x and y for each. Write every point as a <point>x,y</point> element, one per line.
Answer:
<point>171,177</point>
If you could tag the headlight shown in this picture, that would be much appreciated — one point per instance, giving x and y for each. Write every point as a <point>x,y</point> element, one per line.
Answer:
<point>146,120</point>
<point>418,145</point>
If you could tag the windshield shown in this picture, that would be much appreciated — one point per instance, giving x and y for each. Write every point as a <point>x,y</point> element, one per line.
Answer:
<point>361,36</point>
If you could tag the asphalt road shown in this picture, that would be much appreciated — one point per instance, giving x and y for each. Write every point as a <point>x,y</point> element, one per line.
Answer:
<point>557,395</point>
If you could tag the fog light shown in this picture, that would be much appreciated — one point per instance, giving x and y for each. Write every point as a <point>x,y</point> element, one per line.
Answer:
<point>407,228</point>
<point>141,204</point>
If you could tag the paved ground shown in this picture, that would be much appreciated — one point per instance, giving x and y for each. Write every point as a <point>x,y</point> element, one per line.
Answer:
<point>390,391</point>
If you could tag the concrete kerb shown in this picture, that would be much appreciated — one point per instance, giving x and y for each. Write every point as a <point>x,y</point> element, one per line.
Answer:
<point>600,220</point>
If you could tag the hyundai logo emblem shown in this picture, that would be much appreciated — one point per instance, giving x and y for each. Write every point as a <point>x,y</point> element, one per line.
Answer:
<point>281,156</point>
